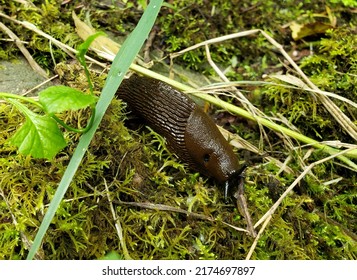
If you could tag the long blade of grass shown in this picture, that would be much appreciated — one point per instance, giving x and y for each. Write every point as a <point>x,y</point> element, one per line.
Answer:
<point>241,112</point>
<point>120,66</point>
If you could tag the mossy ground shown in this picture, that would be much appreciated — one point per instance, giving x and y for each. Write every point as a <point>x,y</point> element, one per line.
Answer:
<point>317,221</point>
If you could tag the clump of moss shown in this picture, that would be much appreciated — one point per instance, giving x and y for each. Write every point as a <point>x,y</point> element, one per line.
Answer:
<point>84,227</point>
<point>27,186</point>
<point>48,17</point>
<point>317,221</point>
<point>332,68</point>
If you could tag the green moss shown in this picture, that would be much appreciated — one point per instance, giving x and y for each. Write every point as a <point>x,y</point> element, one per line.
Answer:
<point>190,22</point>
<point>316,221</point>
<point>331,68</point>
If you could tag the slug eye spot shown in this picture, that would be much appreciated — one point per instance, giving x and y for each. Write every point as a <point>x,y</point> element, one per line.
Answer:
<point>206,158</point>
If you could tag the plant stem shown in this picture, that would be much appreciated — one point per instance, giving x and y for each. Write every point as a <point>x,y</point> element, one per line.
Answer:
<point>20,97</point>
<point>243,113</point>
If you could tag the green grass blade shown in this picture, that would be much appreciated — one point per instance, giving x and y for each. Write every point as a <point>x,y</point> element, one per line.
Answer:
<point>243,113</point>
<point>119,67</point>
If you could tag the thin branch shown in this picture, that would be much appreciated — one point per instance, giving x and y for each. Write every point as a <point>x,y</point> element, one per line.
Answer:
<point>118,226</point>
<point>162,207</point>
<point>24,51</point>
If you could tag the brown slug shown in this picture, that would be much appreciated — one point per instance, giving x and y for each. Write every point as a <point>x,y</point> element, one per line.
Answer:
<point>189,131</point>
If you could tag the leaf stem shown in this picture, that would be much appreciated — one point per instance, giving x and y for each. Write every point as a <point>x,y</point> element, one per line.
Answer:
<point>82,50</point>
<point>77,130</point>
<point>6,95</point>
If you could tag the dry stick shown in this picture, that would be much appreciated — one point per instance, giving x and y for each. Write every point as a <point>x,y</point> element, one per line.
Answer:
<point>162,207</point>
<point>70,51</point>
<point>215,40</point>
<point>242,206</point>
<point>118,226</point>
<point>255,242</point>
<point>24,51</point>
<point>268,215</point>
<point>40,85</point>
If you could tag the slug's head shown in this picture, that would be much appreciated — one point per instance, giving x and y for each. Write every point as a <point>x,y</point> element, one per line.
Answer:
<point>209,152</point>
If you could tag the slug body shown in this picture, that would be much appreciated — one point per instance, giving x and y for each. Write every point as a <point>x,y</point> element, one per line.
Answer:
<point>189,131</point>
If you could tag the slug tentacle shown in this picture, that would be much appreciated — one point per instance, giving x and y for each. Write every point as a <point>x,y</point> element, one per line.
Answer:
<point>189,131</point>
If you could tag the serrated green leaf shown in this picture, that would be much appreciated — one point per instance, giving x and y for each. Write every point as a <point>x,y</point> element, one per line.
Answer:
<point>57,99</point>
<point>39,136</point>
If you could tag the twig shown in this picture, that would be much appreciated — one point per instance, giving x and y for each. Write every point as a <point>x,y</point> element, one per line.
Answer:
<point>24,51</point>
<point>162,207</point>
<point>215,40</point>
<point>243,208</point>
<point>118,226</point>
<point>255,242</point>
<point>40,85</point>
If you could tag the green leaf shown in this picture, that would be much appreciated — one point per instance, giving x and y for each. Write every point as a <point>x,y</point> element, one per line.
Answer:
<point>57,99</point>
<point>81,55</point>
<point>39,136</point>
<point>83,48</point>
